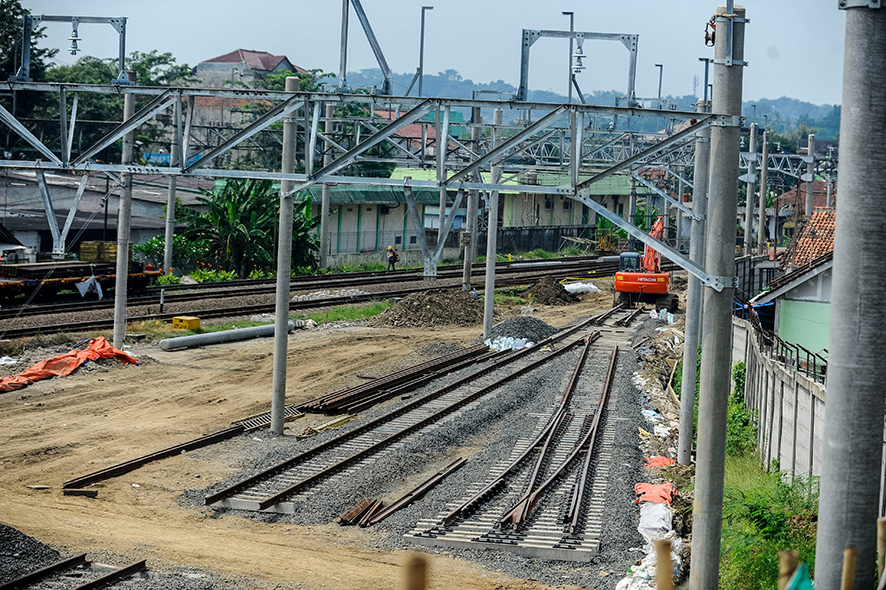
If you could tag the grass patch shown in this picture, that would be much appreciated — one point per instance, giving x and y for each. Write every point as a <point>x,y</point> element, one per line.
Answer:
<point>350,313</point>
<point>762,513</point>
<point>508,298</point>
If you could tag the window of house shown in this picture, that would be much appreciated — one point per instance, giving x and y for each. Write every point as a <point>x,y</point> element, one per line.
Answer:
<point>567,204</point>
<point>412,240</point>
<point>549,203</point>
<point>398,240</point>
<point>621,210</point>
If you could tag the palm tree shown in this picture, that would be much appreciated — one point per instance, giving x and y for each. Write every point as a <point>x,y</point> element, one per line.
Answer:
<point>239,226</point>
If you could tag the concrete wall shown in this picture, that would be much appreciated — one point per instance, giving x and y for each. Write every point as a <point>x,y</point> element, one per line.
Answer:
<point>789,407</point>
<point>532,210</point>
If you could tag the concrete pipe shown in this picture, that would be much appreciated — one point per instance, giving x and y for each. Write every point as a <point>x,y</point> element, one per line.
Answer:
<point>225,336</point>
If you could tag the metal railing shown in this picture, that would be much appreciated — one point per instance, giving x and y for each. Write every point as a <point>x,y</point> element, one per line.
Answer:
<point>793,356</point>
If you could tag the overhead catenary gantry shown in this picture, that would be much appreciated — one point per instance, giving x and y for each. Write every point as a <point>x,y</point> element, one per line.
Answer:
<point>584,153</point>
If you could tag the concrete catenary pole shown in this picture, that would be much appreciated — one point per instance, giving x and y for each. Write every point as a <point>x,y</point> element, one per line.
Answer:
<point>717,329</point>
<point>492,232</point>
<point>284,264</point>
<point>694,293</point>
<point>853,424</point>
<point>761,209</point>
<point>124,215</point>
<point>174,156</point>
<point>469,243</point>
<point>810,171</point>
<point>324,195</point>
<point>750,193</point>
<point>343,49</point>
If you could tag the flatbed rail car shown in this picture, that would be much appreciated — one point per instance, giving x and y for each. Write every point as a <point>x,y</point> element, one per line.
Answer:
<point>48,278</point>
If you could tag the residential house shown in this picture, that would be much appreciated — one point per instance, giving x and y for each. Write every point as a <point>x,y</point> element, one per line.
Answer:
<point>802,297</point>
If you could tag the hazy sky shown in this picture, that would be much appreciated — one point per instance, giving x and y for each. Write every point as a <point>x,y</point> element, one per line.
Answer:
<point>794,47</point>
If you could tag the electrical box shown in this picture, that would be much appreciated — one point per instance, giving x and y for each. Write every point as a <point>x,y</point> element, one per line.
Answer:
<point>185,322</point>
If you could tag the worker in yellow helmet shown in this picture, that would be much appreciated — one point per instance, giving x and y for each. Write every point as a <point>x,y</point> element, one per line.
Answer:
<point>393,258</point>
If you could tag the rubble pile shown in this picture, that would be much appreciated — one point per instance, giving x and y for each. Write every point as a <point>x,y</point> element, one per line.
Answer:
<point>438,307</point>
<point>549,292</point>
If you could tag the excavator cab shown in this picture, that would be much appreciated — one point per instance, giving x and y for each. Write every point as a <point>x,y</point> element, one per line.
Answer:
<point>629,262</point>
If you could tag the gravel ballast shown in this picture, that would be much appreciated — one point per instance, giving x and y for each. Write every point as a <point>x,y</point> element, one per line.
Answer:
<point>484,433</point>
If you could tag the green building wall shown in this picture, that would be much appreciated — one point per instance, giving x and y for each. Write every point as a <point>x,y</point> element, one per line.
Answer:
<point>805,323</point>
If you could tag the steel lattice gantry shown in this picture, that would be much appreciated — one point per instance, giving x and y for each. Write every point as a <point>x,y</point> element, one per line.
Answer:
<point>560,138</point>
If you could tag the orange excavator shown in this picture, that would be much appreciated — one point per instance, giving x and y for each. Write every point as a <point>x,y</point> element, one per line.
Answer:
<point>639,278</point>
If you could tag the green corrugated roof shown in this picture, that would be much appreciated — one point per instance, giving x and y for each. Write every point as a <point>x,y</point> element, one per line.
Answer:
<point>353,193</point>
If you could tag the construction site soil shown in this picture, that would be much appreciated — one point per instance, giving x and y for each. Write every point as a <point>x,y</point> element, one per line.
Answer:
<point>106,413</point>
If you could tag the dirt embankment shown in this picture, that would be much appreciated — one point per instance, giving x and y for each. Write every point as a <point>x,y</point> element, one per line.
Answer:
<point>59,429</point>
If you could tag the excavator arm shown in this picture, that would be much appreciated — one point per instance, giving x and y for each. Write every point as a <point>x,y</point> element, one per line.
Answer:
<point>652,257</point>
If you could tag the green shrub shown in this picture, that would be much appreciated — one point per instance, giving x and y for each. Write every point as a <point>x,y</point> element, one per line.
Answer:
<point>741,426</point>
<point>572,251</point>
<point>164,280</point>
<point>762,515</point>
<point>203,275</point>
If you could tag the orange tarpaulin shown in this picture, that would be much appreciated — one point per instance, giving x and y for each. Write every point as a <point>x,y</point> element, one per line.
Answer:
<point>65,364</point>
<point>659,462</point>
<point>652,492</point>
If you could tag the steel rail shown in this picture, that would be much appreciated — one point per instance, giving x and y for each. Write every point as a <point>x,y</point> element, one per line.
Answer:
<point>531,500</point>
<point>505,358</point>
<point>552,424</point>
<point>384,395</point>
<point>626,321</point>
<point>562,416</point>
<point>229,312</point>
<point>123,572</point>
<point>339,398</point>
<point>416,493</point>
<point>224,290</point>
<point>432,418</point>
<point>574,514</point>
<point>44,573</point>
<point>134,464</point>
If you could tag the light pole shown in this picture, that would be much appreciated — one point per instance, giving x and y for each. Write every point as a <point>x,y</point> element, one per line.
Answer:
<point>571,16</point>
<point>660,72</point>
<point>421,50</point>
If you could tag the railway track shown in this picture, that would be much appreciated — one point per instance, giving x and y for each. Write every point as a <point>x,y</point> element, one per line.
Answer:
<point>68,572</point>
<point>546,499</point>
<point>277,488</point>
<point>204,291</point>
<point>518,276</point>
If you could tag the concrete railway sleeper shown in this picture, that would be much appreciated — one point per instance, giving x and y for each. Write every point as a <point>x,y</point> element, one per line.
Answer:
<point>266,498</point>
<point>56,575</point>
<point>375,391</point>
<point>558,519</point>
<point>261,498</point>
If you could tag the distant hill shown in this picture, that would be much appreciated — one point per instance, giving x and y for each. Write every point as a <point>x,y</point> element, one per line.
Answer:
<point>780,114</point>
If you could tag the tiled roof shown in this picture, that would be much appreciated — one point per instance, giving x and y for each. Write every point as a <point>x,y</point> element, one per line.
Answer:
<point>256,60</point>
<point>797,195</point>
<point>816,238</point>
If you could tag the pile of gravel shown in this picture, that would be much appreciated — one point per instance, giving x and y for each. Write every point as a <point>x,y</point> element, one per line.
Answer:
<point>20,554</point>
<point>438,307</point>
<point>549,292</point>
<point>532,329</point>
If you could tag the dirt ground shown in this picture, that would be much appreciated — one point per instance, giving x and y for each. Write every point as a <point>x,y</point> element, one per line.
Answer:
<point>59,429</point>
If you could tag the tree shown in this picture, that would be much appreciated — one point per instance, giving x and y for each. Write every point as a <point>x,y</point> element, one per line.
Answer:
<point>11,25</point>
<point>21,104</point>
<point>239,227</point>
<point>106,110</point>
<point>310,81</point>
